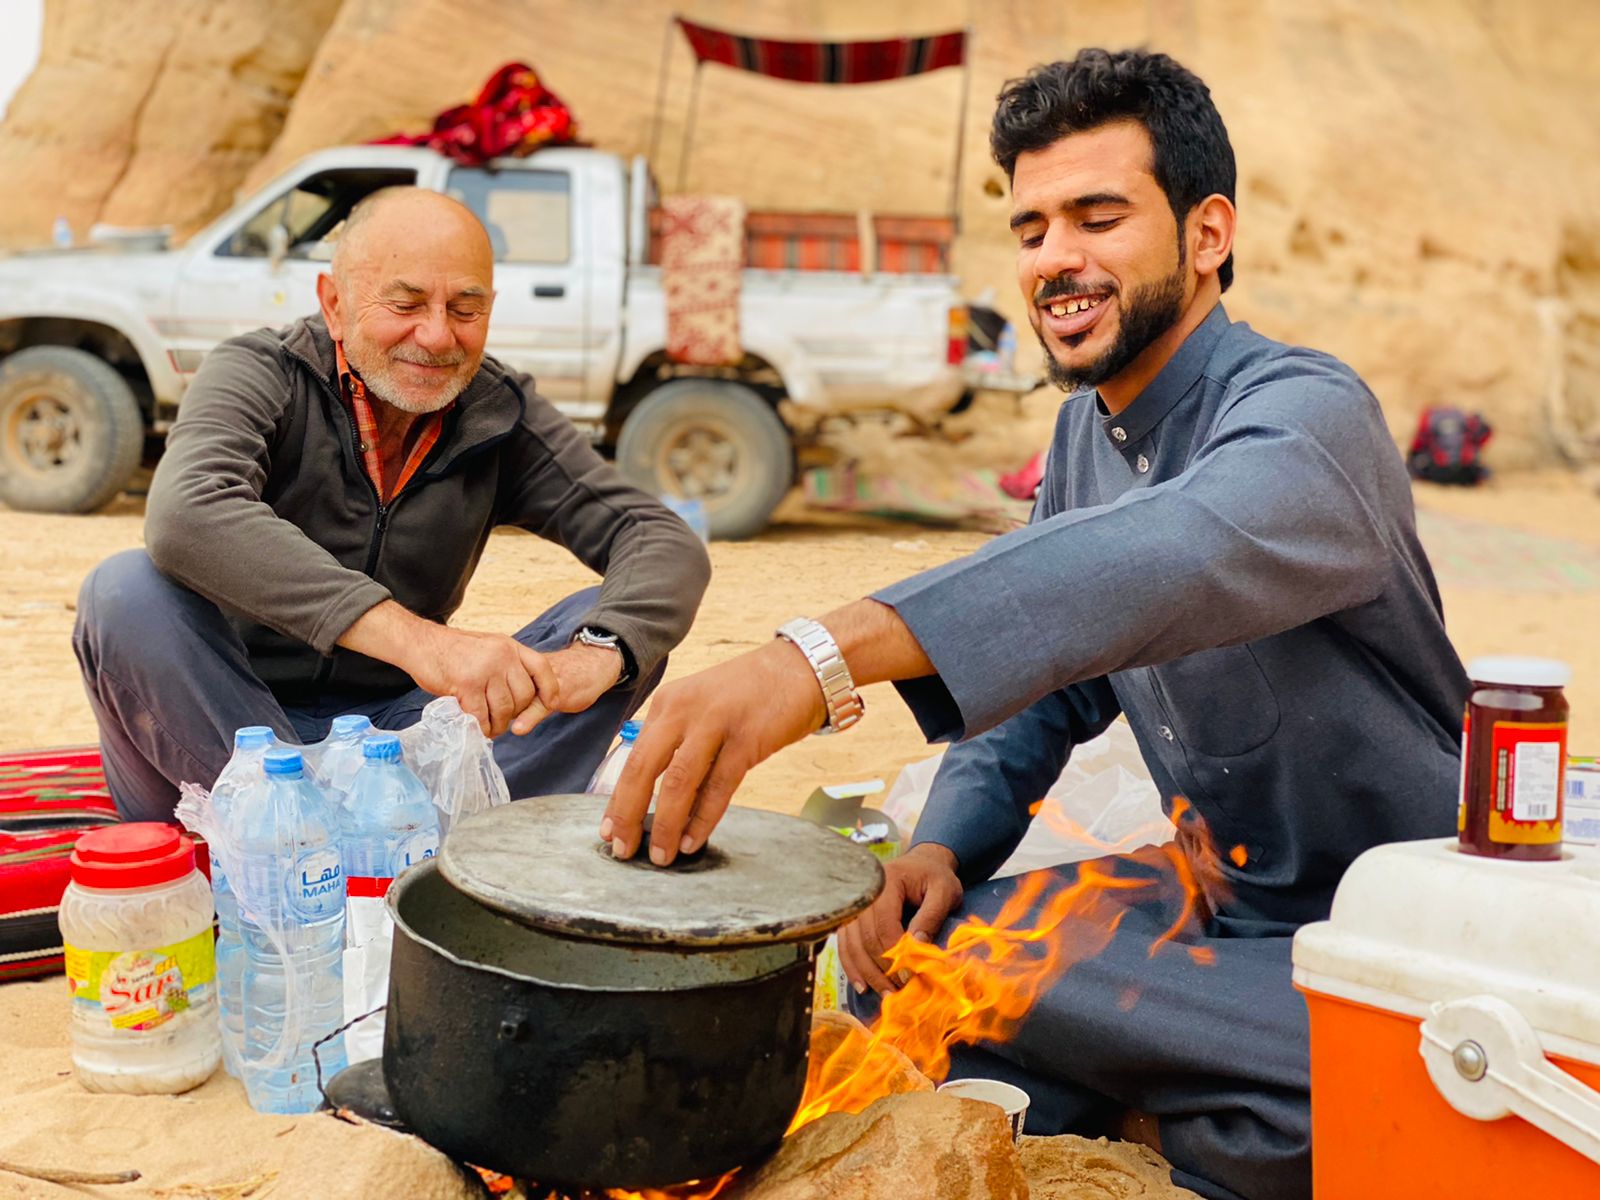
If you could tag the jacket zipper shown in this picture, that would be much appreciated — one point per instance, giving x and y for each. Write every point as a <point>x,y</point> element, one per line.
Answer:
<point>381,522</point>
<point>380,525</point>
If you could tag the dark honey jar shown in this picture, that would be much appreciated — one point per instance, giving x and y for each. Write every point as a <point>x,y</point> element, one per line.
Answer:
<point>1514,758</point>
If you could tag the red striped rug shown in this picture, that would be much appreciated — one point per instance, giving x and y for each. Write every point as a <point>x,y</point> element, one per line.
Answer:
<point>47,798</point>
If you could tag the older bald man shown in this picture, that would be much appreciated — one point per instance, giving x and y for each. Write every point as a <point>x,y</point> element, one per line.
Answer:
<point>324,498</point>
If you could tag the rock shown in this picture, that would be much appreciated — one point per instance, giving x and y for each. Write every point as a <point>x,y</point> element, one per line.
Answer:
<point>912,1145</point>
<point>839,1043</point>
<point>1075,1168</point>
<point>1415,180</point>
<point>149,112</point>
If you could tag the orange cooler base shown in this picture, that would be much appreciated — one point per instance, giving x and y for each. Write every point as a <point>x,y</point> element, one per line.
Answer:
<point>1380,1130</point>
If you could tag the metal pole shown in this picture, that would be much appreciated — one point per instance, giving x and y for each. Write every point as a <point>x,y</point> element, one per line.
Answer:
<point>661,88</point>
<point>688,126</point>
<point>961,127</point>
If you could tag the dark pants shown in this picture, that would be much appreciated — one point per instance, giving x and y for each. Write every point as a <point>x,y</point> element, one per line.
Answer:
<point>170,680</point>
<point>1207,1035</point>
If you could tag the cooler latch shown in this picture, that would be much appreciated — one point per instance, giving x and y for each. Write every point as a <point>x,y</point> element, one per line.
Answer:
<point>1486,1061</point>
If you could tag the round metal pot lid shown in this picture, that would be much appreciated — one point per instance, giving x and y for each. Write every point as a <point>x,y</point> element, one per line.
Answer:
<point>762,878</point>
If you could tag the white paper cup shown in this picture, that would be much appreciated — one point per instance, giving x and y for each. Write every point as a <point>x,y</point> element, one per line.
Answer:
<point>1012,1101</point>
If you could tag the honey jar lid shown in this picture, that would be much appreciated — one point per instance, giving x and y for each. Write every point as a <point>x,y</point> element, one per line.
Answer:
<point>1518,671</point>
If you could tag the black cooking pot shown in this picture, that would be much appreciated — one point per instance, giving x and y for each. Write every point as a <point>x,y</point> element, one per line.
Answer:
<point>562,1016</point>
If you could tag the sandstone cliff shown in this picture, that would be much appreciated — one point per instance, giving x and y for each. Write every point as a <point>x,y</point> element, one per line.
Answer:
<point>1418,181</point>
<point>148,112</point>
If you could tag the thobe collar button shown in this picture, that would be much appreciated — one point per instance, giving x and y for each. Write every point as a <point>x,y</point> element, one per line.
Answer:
<point>1120,433</point>
<point>1143,464</point>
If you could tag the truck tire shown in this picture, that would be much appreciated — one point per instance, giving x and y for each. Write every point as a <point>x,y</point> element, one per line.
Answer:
<point>713,441</point>
<point>71,433</point>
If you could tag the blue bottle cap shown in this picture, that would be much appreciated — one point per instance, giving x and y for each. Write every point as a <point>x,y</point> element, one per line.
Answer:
<point>350,725</point>
<point>281,760</point>
<point>630,730</point>
<point>382,746</point>
<point>254,737</point>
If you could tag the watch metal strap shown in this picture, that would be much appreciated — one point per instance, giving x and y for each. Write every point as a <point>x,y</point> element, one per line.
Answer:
<point>606,640</point>
<point>845,705</point>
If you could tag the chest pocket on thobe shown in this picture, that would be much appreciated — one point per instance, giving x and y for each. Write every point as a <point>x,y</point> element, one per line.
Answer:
<point>1219,701</point>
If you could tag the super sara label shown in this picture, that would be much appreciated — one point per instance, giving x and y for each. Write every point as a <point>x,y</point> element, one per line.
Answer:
<point>138,990</point>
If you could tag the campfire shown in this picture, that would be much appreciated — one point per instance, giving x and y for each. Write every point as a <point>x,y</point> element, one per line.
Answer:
<point>981,986</point>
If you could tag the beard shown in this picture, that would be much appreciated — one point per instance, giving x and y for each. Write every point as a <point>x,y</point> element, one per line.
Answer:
<point>379,372</point>
<point>1150,310</point>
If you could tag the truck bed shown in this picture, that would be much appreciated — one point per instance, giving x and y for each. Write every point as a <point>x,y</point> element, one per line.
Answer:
<point>821,241</point>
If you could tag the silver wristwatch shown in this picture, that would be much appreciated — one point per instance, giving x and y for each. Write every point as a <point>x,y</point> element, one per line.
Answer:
<point>845,705</point>
<point>590,636</point>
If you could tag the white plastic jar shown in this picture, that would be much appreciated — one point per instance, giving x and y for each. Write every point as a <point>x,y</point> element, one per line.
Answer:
<point>141,961</point>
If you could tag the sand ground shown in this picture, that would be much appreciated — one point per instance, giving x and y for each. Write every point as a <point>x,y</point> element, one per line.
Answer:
<point>1519,563</point>
<point>1519,566</point>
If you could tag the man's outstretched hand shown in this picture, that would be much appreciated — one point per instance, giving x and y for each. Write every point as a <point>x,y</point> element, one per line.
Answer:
<point>924,876</point>
<point>701,737</point>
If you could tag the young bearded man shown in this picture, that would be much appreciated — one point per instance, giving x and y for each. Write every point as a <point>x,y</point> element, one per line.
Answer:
<point>1224,551</point>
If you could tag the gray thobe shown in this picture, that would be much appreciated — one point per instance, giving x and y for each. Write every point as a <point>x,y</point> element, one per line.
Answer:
<point>1231,562</point>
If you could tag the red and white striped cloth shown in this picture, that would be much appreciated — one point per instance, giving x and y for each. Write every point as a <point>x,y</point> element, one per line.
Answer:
<point>48,798</point>
<point>827,62</point>
<point>702,260</point>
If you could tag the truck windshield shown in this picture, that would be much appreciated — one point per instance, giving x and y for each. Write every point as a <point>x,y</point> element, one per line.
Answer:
<point>311,212</point>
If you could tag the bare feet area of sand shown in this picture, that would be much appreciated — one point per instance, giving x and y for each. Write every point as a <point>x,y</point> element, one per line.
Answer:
<point>1519,567</point>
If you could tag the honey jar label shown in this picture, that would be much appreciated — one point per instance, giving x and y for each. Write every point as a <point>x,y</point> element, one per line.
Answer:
<point>1529,762</point>
<point>138,990</point>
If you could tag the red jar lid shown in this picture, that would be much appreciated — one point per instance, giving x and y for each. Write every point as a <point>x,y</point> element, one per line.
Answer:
<point>138,854</point>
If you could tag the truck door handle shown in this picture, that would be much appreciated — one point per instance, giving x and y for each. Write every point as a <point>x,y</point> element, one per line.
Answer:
<point>548,291</point>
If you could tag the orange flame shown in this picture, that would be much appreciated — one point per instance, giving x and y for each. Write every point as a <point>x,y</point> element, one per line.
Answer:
<point>981,986</point>
<point>693,1190</point>
<point>985,982</point>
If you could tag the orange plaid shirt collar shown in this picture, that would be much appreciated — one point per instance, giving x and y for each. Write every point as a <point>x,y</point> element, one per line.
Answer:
<point>423,434</point>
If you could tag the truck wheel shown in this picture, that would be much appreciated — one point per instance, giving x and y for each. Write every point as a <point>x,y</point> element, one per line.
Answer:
<point>70,431</point>
<point>712,441</point>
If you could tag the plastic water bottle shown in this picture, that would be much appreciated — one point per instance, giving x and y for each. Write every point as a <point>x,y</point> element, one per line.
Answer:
<point>389,819</point>
<point>244,770</point>
<point>341,754</point>
<point>61,233</point>
<point>610,769</point>
<point>291,919</point>
<point>693,514</point>
<point>1008,348</point>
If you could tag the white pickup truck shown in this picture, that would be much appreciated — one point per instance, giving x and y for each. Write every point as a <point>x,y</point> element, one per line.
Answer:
<point>838,313</point>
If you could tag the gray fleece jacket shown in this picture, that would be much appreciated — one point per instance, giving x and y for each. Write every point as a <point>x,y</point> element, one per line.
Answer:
<point>261,505</point>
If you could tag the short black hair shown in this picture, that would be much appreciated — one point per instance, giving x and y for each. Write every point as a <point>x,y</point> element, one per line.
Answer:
<point>1193,158</point>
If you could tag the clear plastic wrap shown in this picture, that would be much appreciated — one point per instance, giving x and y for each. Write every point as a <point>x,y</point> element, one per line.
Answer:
<point>446,749</point>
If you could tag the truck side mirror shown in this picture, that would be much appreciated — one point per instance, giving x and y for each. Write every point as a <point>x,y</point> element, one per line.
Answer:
<point>277,244</point>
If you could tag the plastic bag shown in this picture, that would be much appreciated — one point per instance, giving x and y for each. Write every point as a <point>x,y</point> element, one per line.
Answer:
<point>445,749</point>
<point>1103,803</point>
<point>258,900</point>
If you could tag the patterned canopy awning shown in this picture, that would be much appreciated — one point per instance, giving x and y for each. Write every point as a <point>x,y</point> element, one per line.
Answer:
<point>827,62</point>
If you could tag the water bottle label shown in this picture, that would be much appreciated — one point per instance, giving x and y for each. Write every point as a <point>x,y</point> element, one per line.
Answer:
<point>420,845</point>
<point>316,889</point>
<point>136,990</point>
